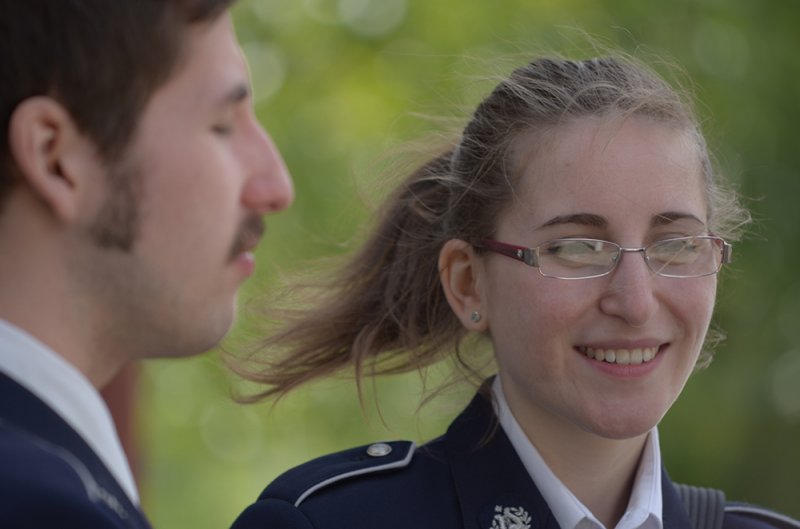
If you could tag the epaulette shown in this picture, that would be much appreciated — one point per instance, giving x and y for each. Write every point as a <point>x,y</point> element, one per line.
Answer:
<point>763,515</point>
<point>297,484</point>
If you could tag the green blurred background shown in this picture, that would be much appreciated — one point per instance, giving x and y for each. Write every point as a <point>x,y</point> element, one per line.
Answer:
<point>339,83</point>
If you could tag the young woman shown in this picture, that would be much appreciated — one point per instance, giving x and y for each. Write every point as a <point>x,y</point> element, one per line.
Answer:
<point>578,226</point>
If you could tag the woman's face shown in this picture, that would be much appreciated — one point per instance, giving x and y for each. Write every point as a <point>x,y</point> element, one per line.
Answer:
<point>631,182</point>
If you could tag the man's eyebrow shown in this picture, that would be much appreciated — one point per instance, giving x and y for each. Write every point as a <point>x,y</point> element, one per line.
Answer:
<point>583,219</point>
<point>237,94</point>
<point>668,217</point>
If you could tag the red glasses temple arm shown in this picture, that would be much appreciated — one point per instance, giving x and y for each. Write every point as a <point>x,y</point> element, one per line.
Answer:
<point>520,253</point>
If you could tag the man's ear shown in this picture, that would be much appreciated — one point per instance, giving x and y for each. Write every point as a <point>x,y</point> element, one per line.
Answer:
<point>54,159</point>
<point>460,272</point>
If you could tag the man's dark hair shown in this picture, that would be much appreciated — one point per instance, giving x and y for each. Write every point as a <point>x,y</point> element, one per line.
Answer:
<point>101,59</point>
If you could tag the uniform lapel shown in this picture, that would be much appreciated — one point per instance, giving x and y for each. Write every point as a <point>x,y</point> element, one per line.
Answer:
<point>21,409</point>
<point>493,487</point>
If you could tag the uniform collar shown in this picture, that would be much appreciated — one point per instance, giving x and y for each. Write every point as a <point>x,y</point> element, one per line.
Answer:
<point>66,391</point>
<point>493,486</point>
<point>26,417</point>
<point>644,508</point>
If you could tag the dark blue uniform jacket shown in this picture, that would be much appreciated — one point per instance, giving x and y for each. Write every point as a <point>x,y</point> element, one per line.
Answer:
<point>469,478</point>
<point>49,476</point>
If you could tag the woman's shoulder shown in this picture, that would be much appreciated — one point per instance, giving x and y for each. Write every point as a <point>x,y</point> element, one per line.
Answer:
<point>352,465</point>
<point>746,516</point>
<point>372,481</point>
<point>708,508</point>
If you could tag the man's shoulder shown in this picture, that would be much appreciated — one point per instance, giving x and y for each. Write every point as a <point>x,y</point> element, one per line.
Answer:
<point>25,457</point>
<point>42,485</point>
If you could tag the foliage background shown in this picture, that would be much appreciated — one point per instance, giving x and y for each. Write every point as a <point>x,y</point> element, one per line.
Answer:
<point>341,82</point>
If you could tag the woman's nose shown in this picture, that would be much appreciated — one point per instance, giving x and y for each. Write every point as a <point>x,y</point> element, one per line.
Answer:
<point>630,293</point>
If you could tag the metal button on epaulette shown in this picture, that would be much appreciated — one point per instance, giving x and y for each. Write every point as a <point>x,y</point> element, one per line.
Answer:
<point>379,450</point>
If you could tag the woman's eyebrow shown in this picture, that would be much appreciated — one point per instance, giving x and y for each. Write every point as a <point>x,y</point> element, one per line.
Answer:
<point>668,217</point>
<point>583,219</point>
<point>597,221</point>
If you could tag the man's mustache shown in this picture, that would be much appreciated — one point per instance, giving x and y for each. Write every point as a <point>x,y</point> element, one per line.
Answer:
<point>248,235</point>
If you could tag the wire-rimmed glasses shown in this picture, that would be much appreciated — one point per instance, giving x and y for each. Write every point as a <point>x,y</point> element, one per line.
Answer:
<point>573,258</point>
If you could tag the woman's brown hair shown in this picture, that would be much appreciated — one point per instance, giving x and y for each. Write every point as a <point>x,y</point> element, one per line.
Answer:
<point>384,311</point>
<point>101,60</point>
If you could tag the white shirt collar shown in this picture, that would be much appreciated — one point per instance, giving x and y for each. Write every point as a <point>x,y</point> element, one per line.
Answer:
<point>644,507</point>
<point>70,394</point>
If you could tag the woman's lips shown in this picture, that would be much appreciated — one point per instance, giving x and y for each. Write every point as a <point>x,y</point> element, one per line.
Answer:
<point>619,356</point>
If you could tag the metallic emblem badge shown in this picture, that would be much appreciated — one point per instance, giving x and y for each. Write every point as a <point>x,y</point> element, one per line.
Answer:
<point>511,518</point>
<point>379,450</point>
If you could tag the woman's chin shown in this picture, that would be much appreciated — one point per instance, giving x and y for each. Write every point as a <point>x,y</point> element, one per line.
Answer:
<point>624,424</point>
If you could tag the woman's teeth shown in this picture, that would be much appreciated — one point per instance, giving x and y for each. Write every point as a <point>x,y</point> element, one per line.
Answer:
<point>621,356</point>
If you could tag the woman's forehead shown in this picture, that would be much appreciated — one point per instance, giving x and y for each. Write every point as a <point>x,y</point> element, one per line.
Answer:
<point>609,165</point>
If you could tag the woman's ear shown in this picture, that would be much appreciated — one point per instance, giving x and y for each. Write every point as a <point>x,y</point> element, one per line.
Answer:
<point>51,154</point>
<point>461,271</point>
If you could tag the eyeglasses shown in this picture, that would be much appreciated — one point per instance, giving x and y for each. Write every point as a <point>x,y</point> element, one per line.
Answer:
<point>698,256</point>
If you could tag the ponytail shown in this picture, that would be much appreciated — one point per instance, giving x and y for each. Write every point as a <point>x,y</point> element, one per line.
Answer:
<point>384,311</point>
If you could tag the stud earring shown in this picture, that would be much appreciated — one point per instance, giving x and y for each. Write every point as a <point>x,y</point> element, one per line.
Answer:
<point>475,316</point>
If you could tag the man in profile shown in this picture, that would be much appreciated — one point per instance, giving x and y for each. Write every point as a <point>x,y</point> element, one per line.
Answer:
<point>133,180</point>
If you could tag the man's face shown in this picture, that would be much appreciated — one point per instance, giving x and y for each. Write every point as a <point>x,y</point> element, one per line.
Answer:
<point>172,236</point>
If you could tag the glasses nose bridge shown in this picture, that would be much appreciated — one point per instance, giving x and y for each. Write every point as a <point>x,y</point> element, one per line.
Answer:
<point>622,250</point>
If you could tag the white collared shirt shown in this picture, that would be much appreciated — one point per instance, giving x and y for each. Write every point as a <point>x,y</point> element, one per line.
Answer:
<point>70,394</point>
<point>645,504</point>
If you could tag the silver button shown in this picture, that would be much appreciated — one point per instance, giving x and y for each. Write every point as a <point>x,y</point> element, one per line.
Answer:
<point>379,450</point>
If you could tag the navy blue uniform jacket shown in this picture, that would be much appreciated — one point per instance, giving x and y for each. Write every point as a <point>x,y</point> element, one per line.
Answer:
<point>49,476</point>
<point>469,478</point>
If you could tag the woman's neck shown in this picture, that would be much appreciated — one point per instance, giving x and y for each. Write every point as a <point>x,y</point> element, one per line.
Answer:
<point>600,472</point>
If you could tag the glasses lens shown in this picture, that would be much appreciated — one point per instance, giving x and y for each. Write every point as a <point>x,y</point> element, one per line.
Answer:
<point>576,258</point>
<point>685,256</point>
